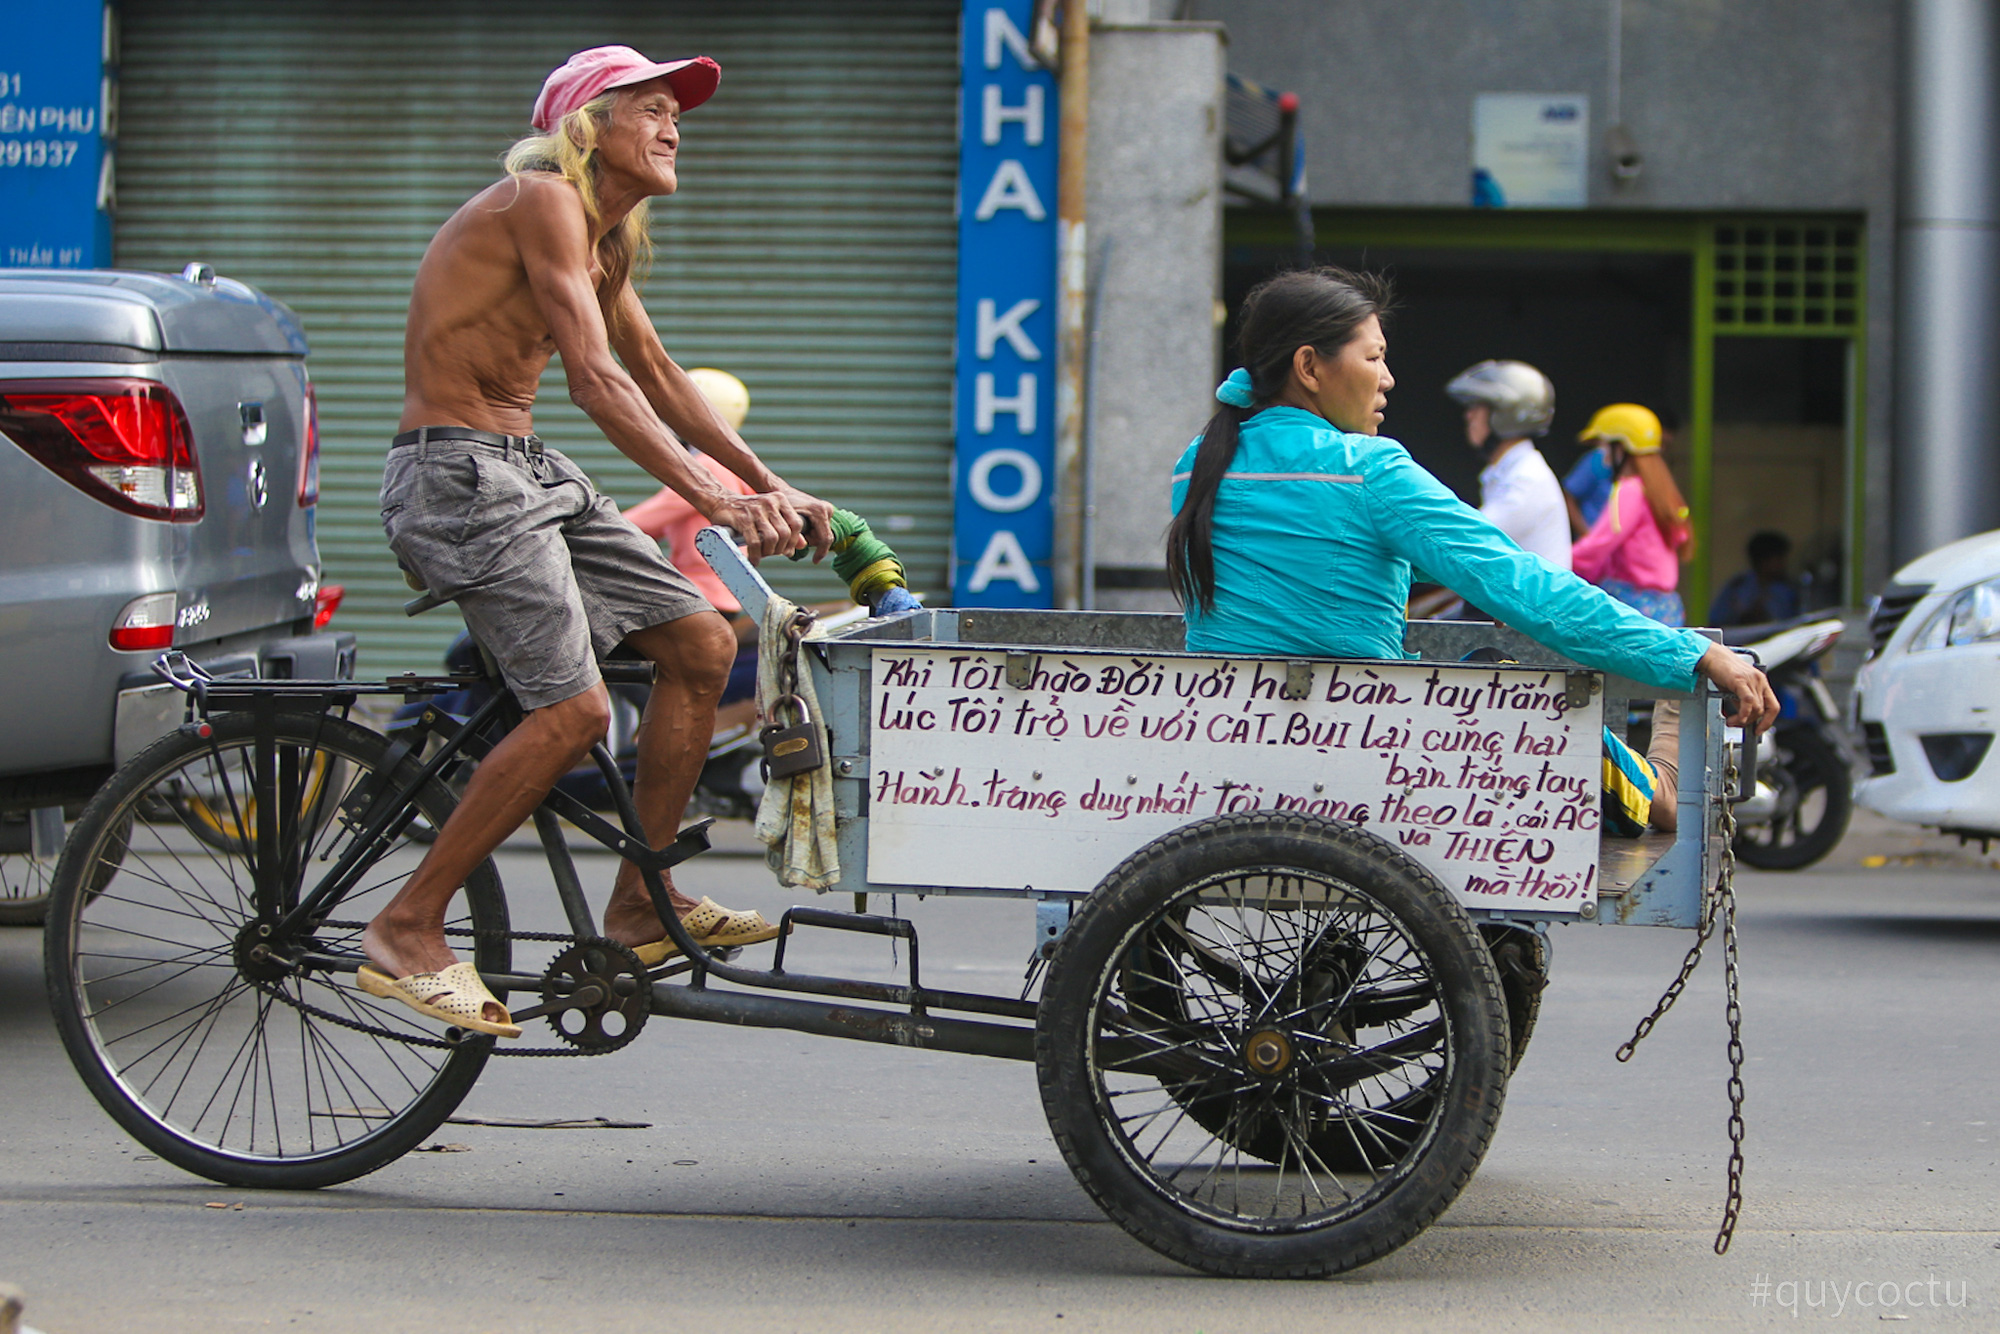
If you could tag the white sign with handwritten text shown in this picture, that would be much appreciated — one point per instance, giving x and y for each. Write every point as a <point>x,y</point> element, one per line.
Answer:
<point>1481,773</point>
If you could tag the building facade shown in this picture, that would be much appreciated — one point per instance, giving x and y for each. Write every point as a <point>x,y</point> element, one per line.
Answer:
<point>1730,257</point>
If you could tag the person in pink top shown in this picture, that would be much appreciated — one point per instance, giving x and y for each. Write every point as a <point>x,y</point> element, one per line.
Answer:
<point>1625,553</point>
<point>668,518</point>
<point>1628,555</point>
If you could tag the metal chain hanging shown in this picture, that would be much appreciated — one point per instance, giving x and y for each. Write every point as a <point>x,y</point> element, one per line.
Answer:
<point>1720,905</point>
<point>788,665</point>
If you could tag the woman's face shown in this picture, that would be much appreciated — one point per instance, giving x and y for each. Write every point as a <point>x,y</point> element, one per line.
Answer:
<point>1350,388</point>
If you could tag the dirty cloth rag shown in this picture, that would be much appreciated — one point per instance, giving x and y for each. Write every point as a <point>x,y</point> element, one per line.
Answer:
<point>795,818</point>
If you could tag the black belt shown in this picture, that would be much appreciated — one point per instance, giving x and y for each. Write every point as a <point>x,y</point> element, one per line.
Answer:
<point>531,444</point>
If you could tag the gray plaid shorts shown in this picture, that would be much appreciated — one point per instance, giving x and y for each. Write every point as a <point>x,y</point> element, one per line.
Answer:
<point>549,575</point>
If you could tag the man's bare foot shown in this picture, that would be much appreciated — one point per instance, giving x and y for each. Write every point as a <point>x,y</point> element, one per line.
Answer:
<point>631,920</point>
<point>400,948</point>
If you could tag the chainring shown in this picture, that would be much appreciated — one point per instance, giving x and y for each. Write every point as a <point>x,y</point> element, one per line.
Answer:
<point>626,995</point>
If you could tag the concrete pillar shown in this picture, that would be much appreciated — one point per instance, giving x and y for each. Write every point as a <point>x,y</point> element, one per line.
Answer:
<point>1155,255</point>
<point>1947,441</point>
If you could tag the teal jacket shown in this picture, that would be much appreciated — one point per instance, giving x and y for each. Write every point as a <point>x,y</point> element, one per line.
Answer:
<point>1316,535</point>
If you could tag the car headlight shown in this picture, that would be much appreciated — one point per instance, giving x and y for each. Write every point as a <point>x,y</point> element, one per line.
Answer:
<point>1972,616</point>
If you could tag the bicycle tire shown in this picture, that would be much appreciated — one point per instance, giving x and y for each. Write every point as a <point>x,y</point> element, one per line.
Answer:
<point>1298,891</point>
<point>205,1056</point>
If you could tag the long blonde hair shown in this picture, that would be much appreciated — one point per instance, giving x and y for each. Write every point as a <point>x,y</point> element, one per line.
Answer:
<point>570,151</point>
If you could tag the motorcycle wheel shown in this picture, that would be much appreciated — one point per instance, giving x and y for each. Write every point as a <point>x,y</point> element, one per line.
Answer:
<point>1815,800</point>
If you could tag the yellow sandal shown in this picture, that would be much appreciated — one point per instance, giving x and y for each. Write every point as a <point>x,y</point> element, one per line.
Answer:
<point>713,927</point>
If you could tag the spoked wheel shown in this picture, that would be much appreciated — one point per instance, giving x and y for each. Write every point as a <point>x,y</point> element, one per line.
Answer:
<point>227,821</point>
<point>26,875</point>
<point>1272,1046</point>
<point>1814,800</point>
<point>234,1054</point>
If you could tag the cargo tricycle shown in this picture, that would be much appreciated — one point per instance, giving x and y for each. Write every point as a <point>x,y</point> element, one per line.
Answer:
<point>1286,921</point>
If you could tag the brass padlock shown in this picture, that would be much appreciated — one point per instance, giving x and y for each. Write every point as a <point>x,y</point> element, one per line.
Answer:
<point>794,749</point>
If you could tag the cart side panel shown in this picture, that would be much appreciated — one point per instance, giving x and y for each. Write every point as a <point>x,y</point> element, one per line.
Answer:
<point>991,768</point>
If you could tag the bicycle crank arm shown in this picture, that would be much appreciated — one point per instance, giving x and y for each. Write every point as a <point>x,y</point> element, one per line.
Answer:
<point>580,999</point>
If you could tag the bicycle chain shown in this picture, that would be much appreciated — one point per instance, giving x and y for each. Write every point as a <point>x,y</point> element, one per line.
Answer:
<point>1721,904</point>
<point>416,1040</point>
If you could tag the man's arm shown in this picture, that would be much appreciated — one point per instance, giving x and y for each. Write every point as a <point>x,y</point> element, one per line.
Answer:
<point>688,412</point>
<point>549,233</point>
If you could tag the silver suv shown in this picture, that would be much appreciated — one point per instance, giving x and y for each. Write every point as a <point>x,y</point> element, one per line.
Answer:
<point>157,485</point>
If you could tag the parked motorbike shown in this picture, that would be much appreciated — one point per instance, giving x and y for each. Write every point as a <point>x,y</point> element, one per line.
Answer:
<point>1805,774</point>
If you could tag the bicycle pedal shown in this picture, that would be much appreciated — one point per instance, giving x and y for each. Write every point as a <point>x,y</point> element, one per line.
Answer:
<point>677,964</point>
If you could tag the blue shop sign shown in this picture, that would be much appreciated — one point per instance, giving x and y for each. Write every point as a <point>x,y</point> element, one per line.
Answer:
<point>1004,408</point>
<point>55,166</point>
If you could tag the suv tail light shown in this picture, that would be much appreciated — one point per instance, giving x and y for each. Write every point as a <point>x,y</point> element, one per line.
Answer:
<point>146,623</point>
<point>124,442</point>
<point>326,602</point>
<point>309,456</point>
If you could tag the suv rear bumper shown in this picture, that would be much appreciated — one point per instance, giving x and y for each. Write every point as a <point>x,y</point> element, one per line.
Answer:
<point>148,708</point>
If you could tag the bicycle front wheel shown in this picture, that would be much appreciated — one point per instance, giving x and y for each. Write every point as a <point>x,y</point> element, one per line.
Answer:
<point>234,1055</point>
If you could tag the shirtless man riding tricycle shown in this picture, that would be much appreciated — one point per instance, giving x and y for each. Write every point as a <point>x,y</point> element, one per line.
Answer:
<point>549,576</point>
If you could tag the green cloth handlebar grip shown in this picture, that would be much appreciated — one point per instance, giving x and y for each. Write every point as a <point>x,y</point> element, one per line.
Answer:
<point>863,561</point>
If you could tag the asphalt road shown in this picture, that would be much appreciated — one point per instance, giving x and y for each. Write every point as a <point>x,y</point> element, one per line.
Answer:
<point>793,1183</point>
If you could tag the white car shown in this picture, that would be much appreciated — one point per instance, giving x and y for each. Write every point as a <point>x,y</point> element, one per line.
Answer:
<point>1928,698</point>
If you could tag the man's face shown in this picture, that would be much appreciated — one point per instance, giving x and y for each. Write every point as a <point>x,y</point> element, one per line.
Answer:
<point>644,136</point>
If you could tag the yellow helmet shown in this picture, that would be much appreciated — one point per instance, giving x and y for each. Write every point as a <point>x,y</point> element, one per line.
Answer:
<point>728,396</point>
<point>1630,425</point>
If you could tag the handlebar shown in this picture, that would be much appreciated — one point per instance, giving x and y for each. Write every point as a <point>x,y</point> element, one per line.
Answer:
<point>428,600</point>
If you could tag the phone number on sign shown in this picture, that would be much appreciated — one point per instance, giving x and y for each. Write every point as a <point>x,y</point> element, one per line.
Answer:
<point>38,152</point>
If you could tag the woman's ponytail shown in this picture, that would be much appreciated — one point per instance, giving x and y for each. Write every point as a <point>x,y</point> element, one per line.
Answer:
<point>1190,552</point>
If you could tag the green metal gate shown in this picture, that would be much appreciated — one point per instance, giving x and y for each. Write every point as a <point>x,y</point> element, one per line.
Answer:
<point>312,149</point>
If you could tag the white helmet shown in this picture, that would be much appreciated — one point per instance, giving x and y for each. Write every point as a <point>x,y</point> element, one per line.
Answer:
<point>725,392</point>
<point>1521,398</point>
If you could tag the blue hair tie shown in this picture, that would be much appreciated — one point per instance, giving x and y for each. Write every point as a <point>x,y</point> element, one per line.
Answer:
<point>1236,391</point>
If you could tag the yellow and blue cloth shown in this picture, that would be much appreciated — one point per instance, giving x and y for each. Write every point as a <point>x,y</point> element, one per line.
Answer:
<point>1629,785</point>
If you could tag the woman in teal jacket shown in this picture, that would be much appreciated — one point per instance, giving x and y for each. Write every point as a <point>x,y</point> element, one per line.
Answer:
<point>1297,529</point>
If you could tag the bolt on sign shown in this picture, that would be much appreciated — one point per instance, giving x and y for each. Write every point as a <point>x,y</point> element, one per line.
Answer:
<point>58,108</point>
<point>1004,406</point>
<point>1486,775</point>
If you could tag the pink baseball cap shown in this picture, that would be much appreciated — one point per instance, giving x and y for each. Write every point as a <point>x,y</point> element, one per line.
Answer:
<point>588,73</point>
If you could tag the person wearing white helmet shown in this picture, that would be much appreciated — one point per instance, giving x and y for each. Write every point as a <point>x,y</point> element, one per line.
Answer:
<point>1507,404</point>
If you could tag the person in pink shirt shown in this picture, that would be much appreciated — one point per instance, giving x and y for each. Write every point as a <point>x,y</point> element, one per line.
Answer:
<point>668,518</point>
<point>1625,553</point>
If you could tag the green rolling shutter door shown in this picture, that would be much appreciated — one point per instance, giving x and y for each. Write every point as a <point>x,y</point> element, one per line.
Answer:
<point>313,148</point>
